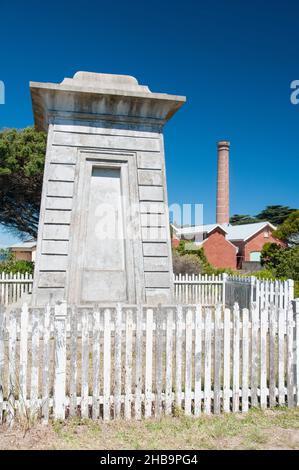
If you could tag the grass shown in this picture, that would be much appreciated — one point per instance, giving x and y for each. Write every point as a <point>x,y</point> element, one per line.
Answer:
<point>270,429</point>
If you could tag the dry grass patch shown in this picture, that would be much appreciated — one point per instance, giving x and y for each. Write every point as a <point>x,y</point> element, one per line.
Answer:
<point>270,429</point>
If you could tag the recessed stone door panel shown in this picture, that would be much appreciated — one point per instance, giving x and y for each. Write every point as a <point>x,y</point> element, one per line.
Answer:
<point>103,269</point>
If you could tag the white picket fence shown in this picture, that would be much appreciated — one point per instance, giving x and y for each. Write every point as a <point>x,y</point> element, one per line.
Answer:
<point>227,289</point>
<point>14,286</point>
<point>188,289</point>
<point>197,288</point>
<point>142,361</point>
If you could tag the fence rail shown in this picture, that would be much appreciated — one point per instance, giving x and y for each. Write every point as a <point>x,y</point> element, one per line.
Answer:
<point>141,361</point>
<point>14,286</point>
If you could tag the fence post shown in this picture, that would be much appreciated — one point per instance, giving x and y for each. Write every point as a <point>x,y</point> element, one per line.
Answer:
<point>60,360</point>
<point>296,347</point>
<point>224,280</point>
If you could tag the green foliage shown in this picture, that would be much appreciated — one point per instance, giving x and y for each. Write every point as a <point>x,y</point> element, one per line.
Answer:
<point>22,154</point>
<point>240,219</point>
<point>271,255</point>
<point>274,214</point>
<point>289,230</point>
<point>264,274</point>
<point>9,264</point>
<point>289,264</point>
<point>282,262</point>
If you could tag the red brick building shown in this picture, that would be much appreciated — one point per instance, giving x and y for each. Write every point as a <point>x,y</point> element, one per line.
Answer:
<point>219,251</point>
<point>229,246</point>
<point>250,240</point>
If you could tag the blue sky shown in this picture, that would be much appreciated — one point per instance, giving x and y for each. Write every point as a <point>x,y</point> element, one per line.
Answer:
<point>233,60</point>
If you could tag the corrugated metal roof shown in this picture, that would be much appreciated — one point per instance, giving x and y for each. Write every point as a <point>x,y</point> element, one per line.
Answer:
<point>243,232</point>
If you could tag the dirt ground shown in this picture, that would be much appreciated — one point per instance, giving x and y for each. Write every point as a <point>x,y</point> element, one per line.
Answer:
<point>277,429</point>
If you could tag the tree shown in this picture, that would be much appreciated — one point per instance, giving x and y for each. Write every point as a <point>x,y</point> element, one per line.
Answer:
<point>22,155</point>
<point>282,262</point>
<point>240,219</point>
<point>274,214</point>
<point>289,230</point>
<point>271,255</point>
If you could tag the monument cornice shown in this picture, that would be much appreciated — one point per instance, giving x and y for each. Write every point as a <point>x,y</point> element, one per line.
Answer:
<point>89,96</point>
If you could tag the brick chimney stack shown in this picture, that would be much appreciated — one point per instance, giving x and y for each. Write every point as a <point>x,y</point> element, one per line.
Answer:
<point>222,203</point>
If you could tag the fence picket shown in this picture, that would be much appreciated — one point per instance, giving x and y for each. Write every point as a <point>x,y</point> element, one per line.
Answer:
<point>128,376</point>
<point>254,353</point>
<point>148,362</point>
<point>207,379</point>
<point>12,340</point>
<point>96,364</point>
<point>138,371</point>
<point>73,360</point>
<point>2,357</point>
<point>23,356</point>
<point>263,358</point>
<point>245,360</point>
<point>85,363</point>
<point>60,360</point>
<point>46,360</point>
<point>197,362</point>
<point>296,303</point>
<point>117,355</point>
<point>281,356</point>
<point>290,356</point>
<point>226,361</point>
<point>178,356</point>
<point>34,362</point>
<point>169,359</point>
<point>272,356</point>
<point>236,358</point>
<point>107,364</point>
<point>159,360</point>
<point>188,364</point>
<point>217,358</point>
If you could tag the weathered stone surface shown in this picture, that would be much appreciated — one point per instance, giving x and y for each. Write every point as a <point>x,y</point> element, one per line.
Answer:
<point>150,177</point>
<point>57,217</point>
<point>155,249</point>
<point>103,233</point>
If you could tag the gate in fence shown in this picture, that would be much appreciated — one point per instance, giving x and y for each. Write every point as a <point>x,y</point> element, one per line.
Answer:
<point>139,361</point>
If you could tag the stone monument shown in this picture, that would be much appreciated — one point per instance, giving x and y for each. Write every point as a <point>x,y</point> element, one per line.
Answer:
<point>103,233</point>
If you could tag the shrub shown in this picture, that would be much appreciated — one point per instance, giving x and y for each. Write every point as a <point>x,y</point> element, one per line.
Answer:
<point>9,264</point>
<point>186,264</point>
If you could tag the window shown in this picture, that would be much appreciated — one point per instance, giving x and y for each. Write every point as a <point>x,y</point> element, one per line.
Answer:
<point>255,256</point>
